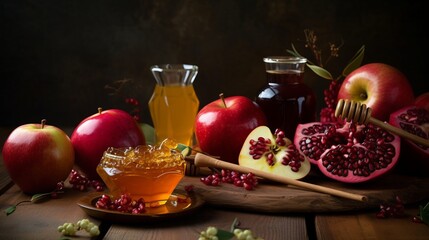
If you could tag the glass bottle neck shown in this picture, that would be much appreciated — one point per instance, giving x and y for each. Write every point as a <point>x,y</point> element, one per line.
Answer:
<point>174,74</point>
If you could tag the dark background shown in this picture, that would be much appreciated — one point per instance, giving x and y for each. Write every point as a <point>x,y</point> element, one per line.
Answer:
<point>58,55</point>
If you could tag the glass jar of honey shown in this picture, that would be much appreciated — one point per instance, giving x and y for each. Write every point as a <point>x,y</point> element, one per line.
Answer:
<point>174,104</point>
<point>148,172</point>
<point>286,100</point>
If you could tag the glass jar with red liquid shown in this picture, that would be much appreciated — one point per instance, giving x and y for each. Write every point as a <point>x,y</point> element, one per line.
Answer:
<point>286,100</point>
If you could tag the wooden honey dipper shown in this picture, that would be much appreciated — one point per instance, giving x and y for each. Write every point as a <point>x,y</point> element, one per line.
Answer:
<point>202,160</point>
<point>355,111</point>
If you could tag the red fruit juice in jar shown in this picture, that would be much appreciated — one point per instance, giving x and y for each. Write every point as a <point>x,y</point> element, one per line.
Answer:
<point>286,100</point>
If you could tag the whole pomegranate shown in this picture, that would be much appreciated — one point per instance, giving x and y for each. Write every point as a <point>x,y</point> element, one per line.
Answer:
<point>422,101</point>
<point>414,157</point>
<point>348,152</point>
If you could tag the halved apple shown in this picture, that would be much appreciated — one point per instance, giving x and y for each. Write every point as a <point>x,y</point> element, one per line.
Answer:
<point>273,153</point>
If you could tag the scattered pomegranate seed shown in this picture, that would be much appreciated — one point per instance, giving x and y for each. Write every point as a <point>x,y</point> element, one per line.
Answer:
<point>247,181</point>
<point>416,219</point>
<point>189,188</point>
<point>123,204</point>
<point>82,183</point>
<point>392,210</point>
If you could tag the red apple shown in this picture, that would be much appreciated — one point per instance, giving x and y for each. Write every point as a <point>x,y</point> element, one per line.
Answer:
<point>222,126</point>
<point>422,101</point>
<point>96,133</point>
<point>381,87</point>
<point>37,157</point>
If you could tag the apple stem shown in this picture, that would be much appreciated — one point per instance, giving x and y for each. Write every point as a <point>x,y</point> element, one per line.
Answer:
<point>223,99</point>
<point>100,110</point>
<point>42,124</point>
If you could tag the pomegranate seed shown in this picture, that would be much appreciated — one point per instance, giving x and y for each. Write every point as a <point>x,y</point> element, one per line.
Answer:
<point>248,181</point>
<point>416,219</point>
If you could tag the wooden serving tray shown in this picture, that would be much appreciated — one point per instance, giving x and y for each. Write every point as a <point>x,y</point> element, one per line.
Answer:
<point>277,198</point>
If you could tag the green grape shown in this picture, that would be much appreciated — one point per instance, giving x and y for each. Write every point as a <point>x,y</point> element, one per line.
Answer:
<point>70,229</point>
<point>83,223</point>
<point>94,231</point>
<point>67,229</point>
<point>244,234</point>
<point>209,234</point>
<point>90,225</point>
<point>211,231</point>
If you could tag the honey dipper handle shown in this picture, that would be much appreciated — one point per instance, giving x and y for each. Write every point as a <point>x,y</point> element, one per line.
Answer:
<point>399,132</point>
<point>202,160</point>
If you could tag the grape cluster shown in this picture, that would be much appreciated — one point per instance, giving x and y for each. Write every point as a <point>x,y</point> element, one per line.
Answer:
<point>392,210</point>
<point>82,183</point>
<point>246,180</point>
<point>122,204</point>
<point>211,234</point>
<point>70,229</point>
<point>245,234</point>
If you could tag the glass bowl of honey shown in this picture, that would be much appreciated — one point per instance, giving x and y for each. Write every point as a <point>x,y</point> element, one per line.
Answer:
<point>151,172</point>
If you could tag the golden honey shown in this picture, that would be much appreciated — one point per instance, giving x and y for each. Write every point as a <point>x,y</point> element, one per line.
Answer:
<point>173,110</point>
<point>174,104</point>
<point>148,172</point>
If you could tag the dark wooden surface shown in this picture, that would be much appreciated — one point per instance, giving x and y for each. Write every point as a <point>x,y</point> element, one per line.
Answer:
<point>40,221</point>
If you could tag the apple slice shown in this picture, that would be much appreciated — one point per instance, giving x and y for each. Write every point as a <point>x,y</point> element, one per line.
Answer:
<point>273,153</point>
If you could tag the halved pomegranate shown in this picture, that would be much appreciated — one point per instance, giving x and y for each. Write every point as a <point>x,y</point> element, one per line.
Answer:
<point>414,157</point>
<point>348,152</point>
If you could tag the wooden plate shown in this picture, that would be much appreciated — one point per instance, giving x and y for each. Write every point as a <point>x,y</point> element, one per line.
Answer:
<point>169,210</point>
<point>278,198</point>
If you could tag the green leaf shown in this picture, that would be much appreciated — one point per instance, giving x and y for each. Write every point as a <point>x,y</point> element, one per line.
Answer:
<point>321,72</point>
<point>10,210</point>
<point>424,213</point>
<point>149,133</point>
<point>37,197</point>
<point>224,235</point>
<point>355,62</point>
<point>294,52</point>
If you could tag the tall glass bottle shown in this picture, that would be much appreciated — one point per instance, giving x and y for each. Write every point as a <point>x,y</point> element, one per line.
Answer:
<point>286,100</point>
<point>174,103</point>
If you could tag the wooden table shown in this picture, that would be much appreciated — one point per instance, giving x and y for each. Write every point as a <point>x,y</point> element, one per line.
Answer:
<point>40,221</point>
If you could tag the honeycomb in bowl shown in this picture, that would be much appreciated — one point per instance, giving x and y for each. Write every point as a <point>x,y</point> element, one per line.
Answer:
<point>146,171</point>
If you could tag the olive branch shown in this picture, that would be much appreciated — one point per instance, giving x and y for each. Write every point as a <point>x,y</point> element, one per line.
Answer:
<point>318,68</point>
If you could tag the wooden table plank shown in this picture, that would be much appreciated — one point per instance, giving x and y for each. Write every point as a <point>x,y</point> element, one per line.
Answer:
<point>267,226</point>
<point>366,226</point>
<point>38,220</point>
